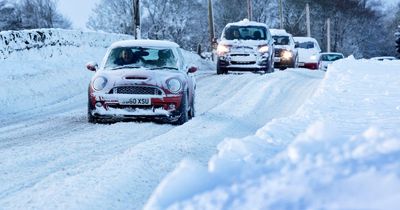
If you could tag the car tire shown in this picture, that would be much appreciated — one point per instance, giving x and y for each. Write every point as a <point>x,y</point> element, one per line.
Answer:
<point>295,63</point>
<point>183,111</point>
<point>192,112</point>
<point>221,70</point>
<point>90,117</point>
<point>270,68</point>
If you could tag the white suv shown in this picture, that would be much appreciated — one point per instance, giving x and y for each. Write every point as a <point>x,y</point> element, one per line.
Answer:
<point>245,46</point>
<point>286,55</point>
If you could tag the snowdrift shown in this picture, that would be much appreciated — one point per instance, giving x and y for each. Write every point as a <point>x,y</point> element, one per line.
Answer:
<point>339,151</point>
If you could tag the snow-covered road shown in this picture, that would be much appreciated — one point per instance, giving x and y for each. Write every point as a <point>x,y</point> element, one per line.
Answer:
<point>56,160</point>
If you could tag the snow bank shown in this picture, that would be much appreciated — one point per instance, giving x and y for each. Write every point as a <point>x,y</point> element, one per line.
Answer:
<point>339,151</point>
<point>25,40</point>
<point>43,67</point>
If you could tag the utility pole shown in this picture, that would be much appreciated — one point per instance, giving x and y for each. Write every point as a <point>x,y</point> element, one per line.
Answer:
<point>328,35</point>
<point>281,13</point>
<point>308,20</point>
<point>397,34</point>
<point>211,24</point>
<point>136,19</point>
<point>249,10</point>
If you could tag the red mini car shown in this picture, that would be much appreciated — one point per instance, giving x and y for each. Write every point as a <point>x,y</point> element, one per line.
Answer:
<point>142,79</point>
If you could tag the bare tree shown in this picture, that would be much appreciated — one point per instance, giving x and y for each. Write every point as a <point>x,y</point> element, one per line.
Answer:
<point>9,16</point>
<point>42,14</point>
<point>112,16</point>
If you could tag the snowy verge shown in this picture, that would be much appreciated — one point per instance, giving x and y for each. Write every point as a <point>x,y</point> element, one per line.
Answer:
<point>339,151</point>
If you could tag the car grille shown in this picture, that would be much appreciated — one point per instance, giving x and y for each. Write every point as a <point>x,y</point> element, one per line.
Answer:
<point>237,54</point>
<point>278,52</point>
<point>243,62</point>
<point>136,90</point>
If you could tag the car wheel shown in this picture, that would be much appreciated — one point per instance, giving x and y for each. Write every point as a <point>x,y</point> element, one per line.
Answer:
<point>219,69</point>
<point>270,67</point>
<point>296,62</point>
<point>183,111</point>
<point>90,117</point>
<point>192,112</point>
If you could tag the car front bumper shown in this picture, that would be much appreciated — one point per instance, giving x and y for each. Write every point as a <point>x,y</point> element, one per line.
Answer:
<point>312,66</point>
<point>114,106</point>
<point>244,61</point>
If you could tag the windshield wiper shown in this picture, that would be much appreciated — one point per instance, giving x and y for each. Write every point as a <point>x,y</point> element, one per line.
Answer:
<point>164,67</point>
<point>126,66</point>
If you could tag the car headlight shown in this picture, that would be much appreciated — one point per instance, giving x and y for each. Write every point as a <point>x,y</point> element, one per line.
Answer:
<point>263,49</point>
<point>174,85</point>
<point>287,55</point>
<point>99,83</point>
<point>222,49</point>
<point>314,57</point>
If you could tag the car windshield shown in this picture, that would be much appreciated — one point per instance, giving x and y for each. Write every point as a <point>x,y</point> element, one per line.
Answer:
<point>331,57</point>
<point>281,40</point>
<point>245,33</point>
<point>306,45</point>
<point>141,57</point>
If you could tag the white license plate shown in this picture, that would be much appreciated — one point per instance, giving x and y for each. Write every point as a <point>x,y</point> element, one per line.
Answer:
<point>136,101</point>
<point>301,64</point>
<point>277,59</point>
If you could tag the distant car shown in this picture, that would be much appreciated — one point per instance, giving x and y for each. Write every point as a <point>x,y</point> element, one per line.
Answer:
<point>142,79</point>
<point>245,46</point>
<point>327,58</point>
<point>285,54</point>
<point>384,58</point>
<point>308,52</point>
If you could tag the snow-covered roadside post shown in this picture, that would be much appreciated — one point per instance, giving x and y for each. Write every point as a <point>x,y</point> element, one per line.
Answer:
<point>397,34</point>
<point>211,29</point>
<point>136,19</point>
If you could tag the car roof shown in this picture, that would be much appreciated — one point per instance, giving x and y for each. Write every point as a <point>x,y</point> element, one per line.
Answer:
<point>145,43</point>
<point>384,57</point>
<point>279,32</point>
<point>246,22</point>
<point>304,39</point>
<point>331,53</point>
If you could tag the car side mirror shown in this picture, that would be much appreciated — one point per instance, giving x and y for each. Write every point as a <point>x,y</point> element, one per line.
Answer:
<point>192,69</point>
<point>92,66</point>
<point>296,45</point>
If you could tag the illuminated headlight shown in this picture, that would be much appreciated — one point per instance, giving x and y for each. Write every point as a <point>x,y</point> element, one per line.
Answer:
<point>314,57</point>
<point>263,49</point>
<point>174,85</point>
<point>99,83</point>
<point>222,49</point>
<point>287,55</point>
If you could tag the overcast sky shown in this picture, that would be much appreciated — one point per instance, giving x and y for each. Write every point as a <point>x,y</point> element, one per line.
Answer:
<point>78,11</point>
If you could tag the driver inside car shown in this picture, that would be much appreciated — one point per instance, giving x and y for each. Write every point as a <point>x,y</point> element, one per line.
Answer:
<point>126,57</point>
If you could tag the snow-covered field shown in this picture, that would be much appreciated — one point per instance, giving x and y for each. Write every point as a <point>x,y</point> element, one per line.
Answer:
<point>293,139</point>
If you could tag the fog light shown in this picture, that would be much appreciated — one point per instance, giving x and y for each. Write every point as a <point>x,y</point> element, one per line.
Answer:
<point>171,107</point>
<point>98,104</point>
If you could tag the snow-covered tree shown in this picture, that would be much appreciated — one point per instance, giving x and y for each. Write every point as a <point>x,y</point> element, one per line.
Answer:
<point>9,16</point>
<point>30,14</point>
<point>42,14</point>
<point>184,22</point>
<point>356,25</point>
<point>112,16</point>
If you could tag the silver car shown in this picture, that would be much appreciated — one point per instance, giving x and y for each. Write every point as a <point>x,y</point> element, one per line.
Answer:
<point>328,58</point>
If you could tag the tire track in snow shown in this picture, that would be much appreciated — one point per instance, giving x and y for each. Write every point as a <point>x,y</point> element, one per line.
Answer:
<point>125,180</point>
